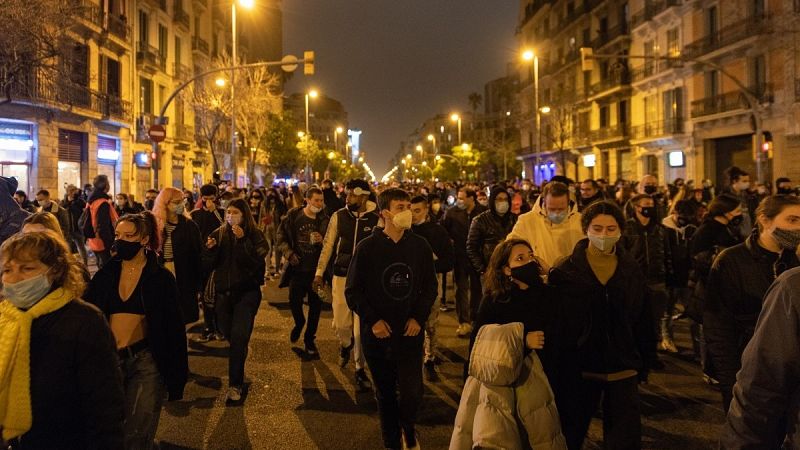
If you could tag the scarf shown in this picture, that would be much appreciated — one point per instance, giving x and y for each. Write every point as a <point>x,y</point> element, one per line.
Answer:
<point>15,365</point>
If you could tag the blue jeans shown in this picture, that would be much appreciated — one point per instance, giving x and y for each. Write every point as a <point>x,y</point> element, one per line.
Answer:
<point>144,396</point>
<point>236,313</point>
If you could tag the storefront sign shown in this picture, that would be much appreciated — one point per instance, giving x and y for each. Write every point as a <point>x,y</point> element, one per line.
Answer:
<point>142,159</point>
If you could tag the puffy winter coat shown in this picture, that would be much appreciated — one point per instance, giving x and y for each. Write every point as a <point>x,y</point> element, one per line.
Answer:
<point>506,390</point>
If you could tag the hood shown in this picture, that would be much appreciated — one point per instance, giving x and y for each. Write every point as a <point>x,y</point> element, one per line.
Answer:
<point>493,194</point>
<point>7,203</point>
<point>498,353</point>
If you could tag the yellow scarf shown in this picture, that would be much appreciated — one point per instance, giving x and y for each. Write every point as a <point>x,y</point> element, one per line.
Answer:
<point>15,365</point>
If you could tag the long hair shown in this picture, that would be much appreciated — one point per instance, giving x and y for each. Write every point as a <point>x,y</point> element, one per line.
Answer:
<point>496,283</point>
<point>145,225</point>
<point>248,223</point>
<point>52,250</point>
<point>166,195</point>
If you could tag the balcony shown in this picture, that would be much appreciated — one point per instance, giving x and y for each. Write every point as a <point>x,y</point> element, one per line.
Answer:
<point>90,13</point>
<point>117,108</point>
<point>610,133</point>
<point>615,81</point>
<point>184,132</point>
<point>651,10</point>
<point>181,71</point>
<point>48,90</point>
<point>654,67</point>
<point>730,101</point>
<point>149,57</point>
<point>180,17</point>
<point>657,128</point>
<point>751,26</point>
<point>199,45</point>
<point>118,26</point>
<point>607,36</point>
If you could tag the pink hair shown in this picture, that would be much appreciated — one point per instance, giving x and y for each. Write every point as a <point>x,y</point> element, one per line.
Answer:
<point>166,195</point>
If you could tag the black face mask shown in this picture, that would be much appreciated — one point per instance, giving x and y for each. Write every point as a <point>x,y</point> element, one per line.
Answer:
<point>126,250</point>
<point>736,221</point>
<point>650,190</point>
<point>649,211</point>
<point>683,221</point>
<point>148,204</point>
<point>528,274</point>
<point>785,191</point>
<point>354,207</point>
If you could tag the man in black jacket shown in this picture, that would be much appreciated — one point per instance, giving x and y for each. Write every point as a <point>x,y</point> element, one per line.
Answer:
<point>489,229</point>
<point>391,284</point>
<point>468,284</point>
<point>443,255</point>
<point>300,239</point>
<point>208,217</point>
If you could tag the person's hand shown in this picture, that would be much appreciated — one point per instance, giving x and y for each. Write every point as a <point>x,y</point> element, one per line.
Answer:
<point>315,237</point>
<point>317,283</point>
<point>294,259</point>
<point>381,329</point>
<point>210,205</point>
<point>535,340</point>
<point>237,231</point>
<point>412,328</point>
<point>211,242</point>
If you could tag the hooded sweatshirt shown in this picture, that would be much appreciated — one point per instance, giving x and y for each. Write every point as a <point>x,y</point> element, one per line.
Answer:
<point>551,242</point>
<point>391,281</point>
<point>11,215</point>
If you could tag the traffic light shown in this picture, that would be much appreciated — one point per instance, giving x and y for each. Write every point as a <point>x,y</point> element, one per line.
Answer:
<point>586,58</point>
<point>308,65</point>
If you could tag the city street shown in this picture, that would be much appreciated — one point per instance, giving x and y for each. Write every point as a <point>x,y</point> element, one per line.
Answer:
<point>299,404</point>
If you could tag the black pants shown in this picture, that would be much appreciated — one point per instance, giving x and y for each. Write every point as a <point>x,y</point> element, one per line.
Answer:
<point>394,373</point>
<point>299,288</point>
<point>236,313</point>
<point>468,291</point>
<point>622,428</point>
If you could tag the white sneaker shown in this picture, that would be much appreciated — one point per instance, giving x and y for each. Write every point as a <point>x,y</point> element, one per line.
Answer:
<point>464,329</point>
<point>234,394</point>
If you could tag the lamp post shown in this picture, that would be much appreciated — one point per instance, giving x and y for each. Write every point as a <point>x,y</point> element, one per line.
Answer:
<point>529,55</point>
<point>432,138</point>
<point>336,134</point>
<point>247,4</point>
<point>310,94</point>
<point>458,161</point>
<point>456,118</point>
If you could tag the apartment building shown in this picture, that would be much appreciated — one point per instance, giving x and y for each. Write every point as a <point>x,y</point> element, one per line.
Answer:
<point>671,119</point>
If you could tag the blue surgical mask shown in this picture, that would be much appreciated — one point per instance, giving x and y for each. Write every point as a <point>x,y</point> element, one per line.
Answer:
<point>557,217</point>
<point>26,293</point>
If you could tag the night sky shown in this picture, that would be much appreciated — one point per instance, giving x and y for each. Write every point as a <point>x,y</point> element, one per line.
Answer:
<point>394,63</point>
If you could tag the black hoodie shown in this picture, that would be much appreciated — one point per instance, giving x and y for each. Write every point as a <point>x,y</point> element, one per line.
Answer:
<point>487,230</point>
<point>391,281</point>
<point>11,215</point>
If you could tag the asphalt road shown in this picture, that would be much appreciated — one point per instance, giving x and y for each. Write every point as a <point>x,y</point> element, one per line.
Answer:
<point>295,403</point>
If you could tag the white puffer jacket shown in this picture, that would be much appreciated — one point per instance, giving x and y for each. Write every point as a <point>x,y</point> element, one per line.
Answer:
<point>507,402</point>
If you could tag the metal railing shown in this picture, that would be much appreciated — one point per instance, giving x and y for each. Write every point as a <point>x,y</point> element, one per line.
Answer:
<point>652,68</point>
<point>730,101</point>
<point>118,26</point>
<point>147,54</point>
<point>607,36</point>
<point>656,128</point>
<point>90,12</point>
<point>180,16</point>
<point>618,131</point>
<point>184,132</point>
<point>199,44</point>
<point>751,26</point>
<point>616,79</point>
<point>651,10</point>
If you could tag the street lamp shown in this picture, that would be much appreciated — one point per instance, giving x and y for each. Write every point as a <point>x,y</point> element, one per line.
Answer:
<point>456,118</point>
<point>220,82</point>
<point>432,138</point>
<point>336,134</point>
<point>310,94</point>
<point>544,110</point>
<point>246,4</point>
<point>530,56</point>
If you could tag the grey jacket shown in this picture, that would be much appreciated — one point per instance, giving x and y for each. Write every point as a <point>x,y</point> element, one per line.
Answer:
<point>506,390</point>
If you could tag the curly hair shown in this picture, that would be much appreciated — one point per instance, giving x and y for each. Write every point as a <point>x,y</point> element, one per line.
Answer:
<point>496,283</point>
<point>51,249</point>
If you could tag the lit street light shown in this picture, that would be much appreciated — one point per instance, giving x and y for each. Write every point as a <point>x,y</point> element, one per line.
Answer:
<point>432,138</point>
<point>220,82</point>
<point>312,94</point>
<point>456,118</point>
<point>530,56</point>
<point>246,4</point>
<point>545,110</point>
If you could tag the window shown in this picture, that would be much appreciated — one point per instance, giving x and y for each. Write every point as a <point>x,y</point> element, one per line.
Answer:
<point>712,26</point>
<point>649,54</point>
<point>587,36</point>
<point>109,76</point>
<point>712,83</point>
<point>673,110</point>
<point>177,50</point>
<point>650,109</point>
<point>622,113</point>
<point>604,113</point>
<point>603,30</point>
<point>758,8</point>
<point>673,42</point>
<point>144,28</point>
<point>162,41</point>
<point>758,74</point>
<point>622,21</point>
<point>570,7</point>
<point>146,88</point>
<point>587,82</point>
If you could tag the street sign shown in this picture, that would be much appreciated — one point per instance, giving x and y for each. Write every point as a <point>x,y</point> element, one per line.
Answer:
<point>157,133</point>
<point>289,63</point>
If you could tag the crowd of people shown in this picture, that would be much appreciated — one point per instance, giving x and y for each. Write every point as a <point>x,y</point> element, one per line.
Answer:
<point>567,293</point>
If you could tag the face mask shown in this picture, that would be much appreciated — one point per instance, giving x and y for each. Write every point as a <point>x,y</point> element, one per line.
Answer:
<point>224,203</point>
<point>314,209</point>
<point>436,207</point>
<point>353,207</point>
<point>786,239</point>
<point>233,220</point>
<point>501,207</point>
<point>736,221</point>
<point>742,186</point>
<point>483,202</point>
<point>402,220</point>
<point>126,249</point>
<point>648,211</point>
<point>683,221</point>
<point>148,204</point>
<point>557,217</point>
<point>45,205</point>
<point>603,243</point>
<point>178,209</point>
<point>121,203</point>
<point>26,293</point>
<point>460,204</point>
<point>528,274</point>
<point>785,191</point>
<point>650,190</point>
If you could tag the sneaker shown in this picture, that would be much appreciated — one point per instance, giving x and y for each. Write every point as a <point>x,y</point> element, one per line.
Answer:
<point>205,336</point>
<point>295,334</point>
<point>711,381</point>
<point>362,380</point>
<point>234,394</point>
<point>344,355</point>
<point>464,330</point>
<point>311,349</point>
<point>668,346</point>
<point>444,308</point>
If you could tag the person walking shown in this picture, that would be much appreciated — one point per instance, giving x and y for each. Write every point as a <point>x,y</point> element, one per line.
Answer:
<point>236,253</point>
<point>46,204</point>
<point>140,300</point>
<point>680,227</point>
<point>208,217</point>
<point>489,229</point>
<point>99,230</point>
<point>391,285</point>
<point>276,209</point>
<point>11,214</point>
<point>74,204</point>
<point>300,239</point>
<point>349,226</point>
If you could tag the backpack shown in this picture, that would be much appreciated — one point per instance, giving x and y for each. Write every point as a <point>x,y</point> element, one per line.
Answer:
<point>85,222</point>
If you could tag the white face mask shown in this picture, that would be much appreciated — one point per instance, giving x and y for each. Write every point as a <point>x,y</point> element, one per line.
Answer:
<point>501,207</point>
<point>402,220</point>
<point>742,186</point>
<point>233,220</point>
<point>314,209</point>
<point>603,243</point>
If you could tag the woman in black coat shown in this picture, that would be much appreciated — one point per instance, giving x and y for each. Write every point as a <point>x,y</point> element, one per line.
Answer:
<point>181,249</point>
<point>140,300</point>
<point>606,336</point>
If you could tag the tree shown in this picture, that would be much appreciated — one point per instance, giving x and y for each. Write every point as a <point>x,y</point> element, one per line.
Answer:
<point>558,133</point>
<point>255,105</point>
<point>281,143</point>
<point>212,109</point>
<point>33,44</point>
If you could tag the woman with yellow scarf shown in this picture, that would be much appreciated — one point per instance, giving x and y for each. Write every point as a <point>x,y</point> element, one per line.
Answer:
<point>59,377</point>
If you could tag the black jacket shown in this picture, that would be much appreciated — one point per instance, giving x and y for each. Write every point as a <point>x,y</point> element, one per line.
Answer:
<point>394,282</point>
<point>75,208</point>
<point>678,243</point>
<point>187,251</point>
<point>604,329</point>
<point>440,243</point>
<point>238,264</point>
<point>287,239</point>
<point>332,202</point>
<point>207,221</point>
<point>457,222</point>
<point>487,230</point>
<point>737,282</point>
<point>77,397</point>
<point>648,245</point>
<point>165,330</point>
